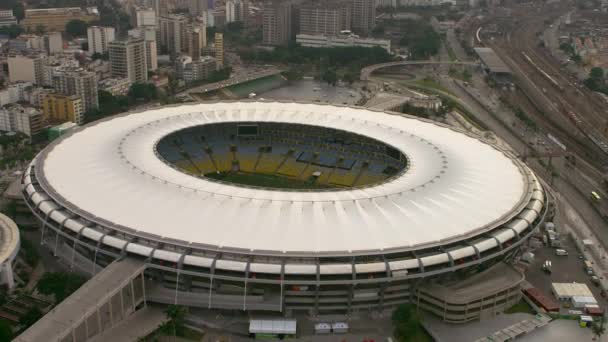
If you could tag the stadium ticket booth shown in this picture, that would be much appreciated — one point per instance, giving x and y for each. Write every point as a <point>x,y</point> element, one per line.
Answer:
<point>272,328</point>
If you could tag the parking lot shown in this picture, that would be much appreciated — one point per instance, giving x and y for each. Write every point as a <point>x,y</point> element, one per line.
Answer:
<point>565,269</point>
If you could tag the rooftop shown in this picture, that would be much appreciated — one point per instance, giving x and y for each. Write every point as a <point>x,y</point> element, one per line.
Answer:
<point>457,186</point>
<point>491,281</point>
<point>492,60</point>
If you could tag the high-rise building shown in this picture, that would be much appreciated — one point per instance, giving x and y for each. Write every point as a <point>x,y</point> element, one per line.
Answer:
<point>237,10</point>
<point>173,37</point>
<point>196,7</point>
<point>277,22</point>
<point>219,49</point>
<point>26,68</point>
<point>363,16</point>
<point>148,34</point>
<point>197,40</point>
<point>99,37</point>
<point>14,92</point>
<point>160,7</point>
<point>128,59</point>
<point>327,18</point>
<point>53,42</point>
<point>62,108</point>
<point>77,81</point>
<point>17,118</point>
<point>145,17</point>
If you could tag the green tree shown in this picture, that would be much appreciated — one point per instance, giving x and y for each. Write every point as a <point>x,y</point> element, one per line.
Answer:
<point>59,284</point>
<point>349,77</point>
<point>143,91</point>
<point>598,329</point>
<point>6,332</point>
<point>30,317</point>
<point>40,29</point>
<point>220,75</point>
<point>406,322</point>
<point>597,73</point>
<point>176,315</point>
<point>13,31</point>
<point>330,77</point>
<point>76,28</point>
<point>19,11</point>
<point>11,209</point>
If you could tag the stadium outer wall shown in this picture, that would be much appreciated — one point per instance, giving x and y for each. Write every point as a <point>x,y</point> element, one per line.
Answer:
<point>245,281</point>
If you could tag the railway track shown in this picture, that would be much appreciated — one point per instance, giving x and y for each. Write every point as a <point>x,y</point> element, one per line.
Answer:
<point>575,119</point>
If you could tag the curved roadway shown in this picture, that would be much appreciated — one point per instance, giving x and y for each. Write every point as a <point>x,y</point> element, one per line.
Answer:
<point>368,70</point>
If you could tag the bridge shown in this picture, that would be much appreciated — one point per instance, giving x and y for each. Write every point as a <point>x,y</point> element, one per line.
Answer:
<point>236,79</point>
<point>368,70</point>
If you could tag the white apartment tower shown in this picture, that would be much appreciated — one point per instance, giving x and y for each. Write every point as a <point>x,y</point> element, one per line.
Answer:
<point>128,59</point>
<point>99,38</point>
<point>236,10</point>
<point>146,17</point>
<point>148,34</point>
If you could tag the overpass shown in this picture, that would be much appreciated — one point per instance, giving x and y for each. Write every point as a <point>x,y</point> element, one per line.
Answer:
<point>237,79</point>
<point>368,70</point>
<point>103,302</point>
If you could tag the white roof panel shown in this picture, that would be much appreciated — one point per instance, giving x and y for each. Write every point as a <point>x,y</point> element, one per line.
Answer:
<point>456,186</point>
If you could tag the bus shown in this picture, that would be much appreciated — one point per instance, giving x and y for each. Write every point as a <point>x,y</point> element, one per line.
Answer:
<point>595,197</point>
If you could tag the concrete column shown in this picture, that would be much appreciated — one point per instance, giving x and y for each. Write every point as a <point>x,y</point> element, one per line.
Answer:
<point>122,303</point>
<point>143,288</point>
<point>132,294</point>
<point>99,320</point>
<point>7,274</point>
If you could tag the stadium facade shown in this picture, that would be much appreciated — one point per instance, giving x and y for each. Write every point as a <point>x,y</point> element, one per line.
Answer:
<point>374,203</point>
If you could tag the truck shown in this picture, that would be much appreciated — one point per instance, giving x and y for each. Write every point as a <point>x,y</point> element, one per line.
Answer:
<point>588,266</point>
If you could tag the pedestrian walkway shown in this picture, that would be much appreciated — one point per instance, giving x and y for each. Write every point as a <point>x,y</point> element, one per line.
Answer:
<point>101,303</point>
<point>140,324</point>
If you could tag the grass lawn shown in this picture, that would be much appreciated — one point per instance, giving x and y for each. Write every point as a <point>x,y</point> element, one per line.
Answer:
<point>265,180</point>
<point>521,306</point>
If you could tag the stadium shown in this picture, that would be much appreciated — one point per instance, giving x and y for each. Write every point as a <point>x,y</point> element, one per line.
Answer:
<point>281,206</point>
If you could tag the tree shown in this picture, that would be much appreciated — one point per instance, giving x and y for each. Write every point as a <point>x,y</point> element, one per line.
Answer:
<point>30,317</point>
<point>176,315</point>
<point>103,56</point>
<point>597,73</point>
<point>59,284</point>
<point>19,11</point>
<point>330,77</point>
<point>11,209</point>
<point>13,31</point>
<point>142,91</point>
<point>76,28</point>
<point>40,29</point>
<point>349,77</point>
<point>6,332</point>
<point>598,329</point>
<point>406,322</point>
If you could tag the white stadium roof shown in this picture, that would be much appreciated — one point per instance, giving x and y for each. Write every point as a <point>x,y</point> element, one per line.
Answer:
<point>455,187</point>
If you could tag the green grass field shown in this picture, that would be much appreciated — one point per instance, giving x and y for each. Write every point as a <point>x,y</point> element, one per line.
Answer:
<point>265,180</point>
